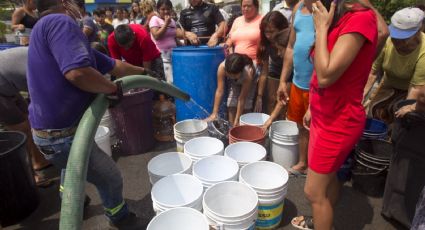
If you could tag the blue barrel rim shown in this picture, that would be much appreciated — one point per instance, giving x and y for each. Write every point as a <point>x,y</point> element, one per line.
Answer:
<point>196,48</point>
<point>375,126</point>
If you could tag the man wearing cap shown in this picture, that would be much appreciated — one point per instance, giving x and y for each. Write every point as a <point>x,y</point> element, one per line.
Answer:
<point>400,66</point>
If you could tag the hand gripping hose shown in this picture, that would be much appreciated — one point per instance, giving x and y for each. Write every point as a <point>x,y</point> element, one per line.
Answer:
<point>71,217</point>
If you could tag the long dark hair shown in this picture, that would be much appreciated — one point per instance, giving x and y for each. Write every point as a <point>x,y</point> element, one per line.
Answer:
<point>275,19</point>
<point>342,7</point>
<point>235,63</point>
<point>164,2</point>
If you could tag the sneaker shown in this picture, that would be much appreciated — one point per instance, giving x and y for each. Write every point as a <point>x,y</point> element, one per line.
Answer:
<point>129,222</point>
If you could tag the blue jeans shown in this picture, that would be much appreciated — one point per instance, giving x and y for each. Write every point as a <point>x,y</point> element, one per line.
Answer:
<point>102,172</point>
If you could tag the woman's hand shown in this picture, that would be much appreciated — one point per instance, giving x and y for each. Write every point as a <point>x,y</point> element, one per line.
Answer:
<point>167,20</point>
<point>212,117</point>
<point>258,108</point>
<point>307,119</point>
<point>282,93</point>
<point>323,18</point>
<point>405,110</point>
<point>192,38</point>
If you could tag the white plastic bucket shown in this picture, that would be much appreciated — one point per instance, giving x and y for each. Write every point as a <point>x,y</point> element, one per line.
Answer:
<point>103,140</point>
<point>254,119</point>
<point>231,206</point>
<point>168,164</point>
<point>179,219</point>
<point>187,130</point>
<point>215,169</point>
<point>178,190</point>
<point>107,121</point>
<point>245,152</point>
<point>270,181</point>
<point>284,143</point>
<point>201,147</point>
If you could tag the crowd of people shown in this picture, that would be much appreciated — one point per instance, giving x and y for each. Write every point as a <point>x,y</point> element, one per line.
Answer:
<point>325,65</point>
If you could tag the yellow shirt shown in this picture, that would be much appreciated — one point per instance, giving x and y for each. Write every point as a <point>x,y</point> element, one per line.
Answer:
<point>401,71</point>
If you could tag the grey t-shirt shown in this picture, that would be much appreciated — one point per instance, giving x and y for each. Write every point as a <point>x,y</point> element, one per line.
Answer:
<point>13,69</point>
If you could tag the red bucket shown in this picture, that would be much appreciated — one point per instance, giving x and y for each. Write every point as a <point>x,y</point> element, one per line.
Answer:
<point>247,133</point>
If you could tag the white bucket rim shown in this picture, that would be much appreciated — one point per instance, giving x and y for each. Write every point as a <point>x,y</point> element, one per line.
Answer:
<point>213,161</point>
<point>277,183</point>
<point>226,183</point>
<point>228,151</point>
<point>160,157</point>
<point>192,213</point>
<point>191,145</point>
<point>201,126</point>
<point>254,119</point>
<point>158,191</point>
<point>292,124</point>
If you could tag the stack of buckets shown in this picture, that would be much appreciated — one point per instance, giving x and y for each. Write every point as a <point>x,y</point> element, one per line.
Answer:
<point>215,169</point>
<point>179,219</point>
<point>178,190</point>
<point>247,133</point>
<point>245,152</point>
<point>253,119</point>
<point>270,182</point>
<point>231,205</point>
<point>168,164</point>
<point>108,122</point>
<point>187,130</point>
<point>284,143</point>
<point>202,147</point>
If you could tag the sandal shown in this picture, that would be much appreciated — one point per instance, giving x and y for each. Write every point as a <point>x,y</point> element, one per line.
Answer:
<point>306,223</point>
<point>297,173</point>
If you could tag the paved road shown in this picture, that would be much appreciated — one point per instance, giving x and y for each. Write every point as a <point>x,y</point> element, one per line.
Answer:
<point>354,211</point>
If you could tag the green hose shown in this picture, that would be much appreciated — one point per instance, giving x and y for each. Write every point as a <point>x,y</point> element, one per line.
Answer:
<point>76,170</point>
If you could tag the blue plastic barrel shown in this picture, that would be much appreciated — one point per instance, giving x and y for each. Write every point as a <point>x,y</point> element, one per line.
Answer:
<point>195,72</point>
<point>5,46</point>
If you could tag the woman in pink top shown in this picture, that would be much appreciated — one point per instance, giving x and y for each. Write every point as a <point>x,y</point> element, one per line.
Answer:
<point>244,35</point>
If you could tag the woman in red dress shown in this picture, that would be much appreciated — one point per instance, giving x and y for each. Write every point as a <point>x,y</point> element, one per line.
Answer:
<point>345,47</point>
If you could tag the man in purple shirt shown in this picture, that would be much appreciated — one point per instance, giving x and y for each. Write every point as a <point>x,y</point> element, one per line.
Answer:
<point>64,74</point>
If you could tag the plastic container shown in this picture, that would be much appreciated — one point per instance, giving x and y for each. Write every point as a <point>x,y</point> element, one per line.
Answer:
<point>215,169</point>
<point>231,206</point>
<point>179,219</point>
<point>374,152</point>
<point>270,181</point>
<point>247,133</point>
<point>201,147</point>
<point>164,118</point>
<point>375,129</point>
<point>245,152</point>
<point>187,130</point>
<point>168,164</point>
<point>18,190</point>
<point>133,120</point>
<point>178,190</point>
<point>103,140</point>
<point>254,119</point>
<point>195,72</point>
<point>284,143</point>
<point>220,130</point>
<point>108,121</point>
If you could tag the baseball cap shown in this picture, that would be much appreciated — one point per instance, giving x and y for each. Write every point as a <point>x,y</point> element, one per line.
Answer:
<point>406,22</point>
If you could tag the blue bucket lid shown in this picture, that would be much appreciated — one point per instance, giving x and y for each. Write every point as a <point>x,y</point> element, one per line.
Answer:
<point>375,126</point>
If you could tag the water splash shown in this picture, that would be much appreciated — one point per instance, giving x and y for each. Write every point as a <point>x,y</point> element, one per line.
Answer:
<point>193,106</point>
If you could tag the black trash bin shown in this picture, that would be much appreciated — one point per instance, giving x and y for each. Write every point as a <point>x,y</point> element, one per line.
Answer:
<point>406,176</point>
<point>18,191</point>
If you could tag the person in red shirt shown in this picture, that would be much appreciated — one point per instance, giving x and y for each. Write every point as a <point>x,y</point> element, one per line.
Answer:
<point>133,44</point>
<point>344,50</point>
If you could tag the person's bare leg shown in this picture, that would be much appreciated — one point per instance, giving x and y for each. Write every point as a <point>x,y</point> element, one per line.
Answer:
<point>303,139</point>
<point>231,112</point>
<point>37,158</point>
<point>316,190</point>
<point>334,191</point>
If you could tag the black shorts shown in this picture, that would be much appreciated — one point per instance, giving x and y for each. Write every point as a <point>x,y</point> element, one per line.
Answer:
<point>13,109</point>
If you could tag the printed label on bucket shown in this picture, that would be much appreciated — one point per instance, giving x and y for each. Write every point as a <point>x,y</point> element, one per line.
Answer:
<point>269,216</point>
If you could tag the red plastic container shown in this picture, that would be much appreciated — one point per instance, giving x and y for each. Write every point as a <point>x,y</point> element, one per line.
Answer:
<point>133,120</point>
<point>247,133</point>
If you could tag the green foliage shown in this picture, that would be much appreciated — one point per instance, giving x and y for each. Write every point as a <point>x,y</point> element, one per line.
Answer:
<point>388,7</point>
